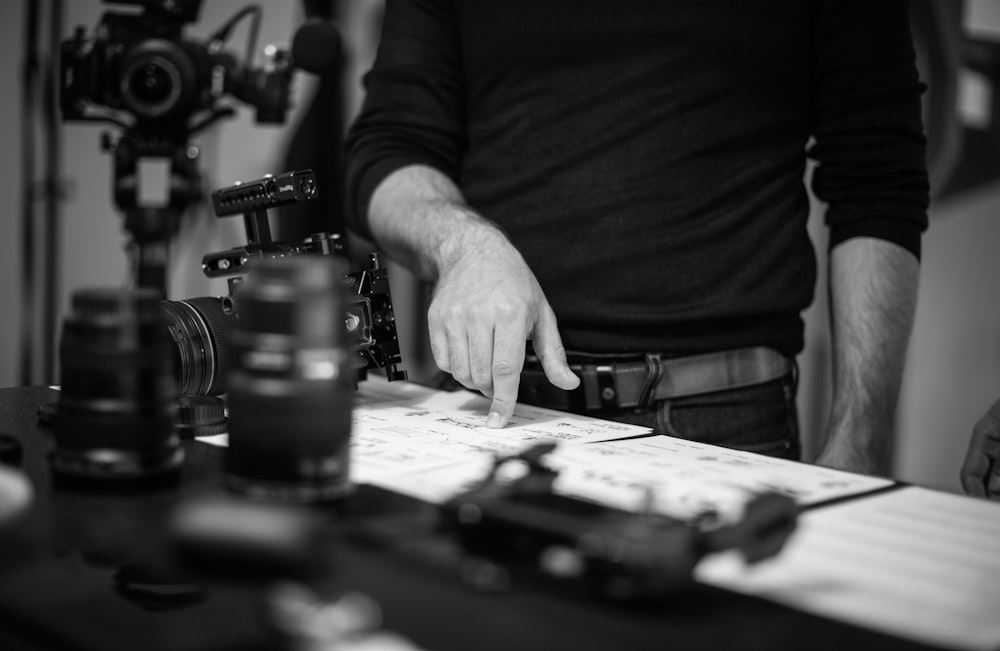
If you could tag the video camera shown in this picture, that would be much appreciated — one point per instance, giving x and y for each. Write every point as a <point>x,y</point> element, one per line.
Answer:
<point>141,72</point>
<point>202,328</point>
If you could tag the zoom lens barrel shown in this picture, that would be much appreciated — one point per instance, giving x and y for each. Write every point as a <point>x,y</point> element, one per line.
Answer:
<point>114,419</point>
<point>292,385</point>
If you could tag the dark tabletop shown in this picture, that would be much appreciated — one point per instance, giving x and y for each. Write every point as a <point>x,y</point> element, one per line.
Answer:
<point>58,587</point>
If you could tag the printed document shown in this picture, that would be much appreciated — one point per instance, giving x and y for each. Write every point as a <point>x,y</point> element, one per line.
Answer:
<point>911,562</point>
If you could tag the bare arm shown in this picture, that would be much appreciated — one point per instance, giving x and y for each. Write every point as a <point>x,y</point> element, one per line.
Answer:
<point>873,290</point>
<point>486,302</point>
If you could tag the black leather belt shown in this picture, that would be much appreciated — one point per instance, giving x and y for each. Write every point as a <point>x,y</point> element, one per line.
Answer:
<point>640,383</point>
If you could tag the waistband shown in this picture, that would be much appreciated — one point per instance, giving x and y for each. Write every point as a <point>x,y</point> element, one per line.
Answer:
<point>617,384</point>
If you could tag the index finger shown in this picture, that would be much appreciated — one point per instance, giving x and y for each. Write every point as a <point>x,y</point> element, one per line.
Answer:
<point>508,359</point>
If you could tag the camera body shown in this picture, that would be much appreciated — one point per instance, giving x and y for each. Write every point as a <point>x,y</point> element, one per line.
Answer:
<point>141,66</point>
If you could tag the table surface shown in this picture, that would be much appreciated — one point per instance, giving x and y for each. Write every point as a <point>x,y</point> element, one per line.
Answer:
<point>61,594</point>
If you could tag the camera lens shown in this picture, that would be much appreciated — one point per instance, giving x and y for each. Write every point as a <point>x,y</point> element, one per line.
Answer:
<point>114,419</point>
<point>151,83</point>
<point>158,80</point>
<point>202,331</point>
<point>292,384</point>
<point>151,86</point>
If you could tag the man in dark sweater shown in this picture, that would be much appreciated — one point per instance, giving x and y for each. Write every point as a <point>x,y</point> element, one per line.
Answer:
<point>617,188</point>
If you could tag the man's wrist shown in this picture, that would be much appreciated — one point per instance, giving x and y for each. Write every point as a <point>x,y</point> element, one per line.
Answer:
<point>466,232</point>
<point>859,442</point>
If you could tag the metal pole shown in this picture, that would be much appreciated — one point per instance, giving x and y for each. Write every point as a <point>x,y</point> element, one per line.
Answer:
<point>29,73</point>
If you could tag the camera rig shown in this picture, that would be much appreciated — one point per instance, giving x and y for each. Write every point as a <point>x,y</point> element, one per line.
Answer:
<point>140,72</point>
<point>369,320</point>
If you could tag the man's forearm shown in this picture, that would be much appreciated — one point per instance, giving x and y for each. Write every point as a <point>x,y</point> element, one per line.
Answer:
<point>487,303</point>
<point>419,217</point>
<point>873,291</point>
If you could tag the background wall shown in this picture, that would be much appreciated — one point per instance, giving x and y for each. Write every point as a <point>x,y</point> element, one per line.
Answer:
<point>11,21</point>
<point>953,372</point>
<point>954,367</point>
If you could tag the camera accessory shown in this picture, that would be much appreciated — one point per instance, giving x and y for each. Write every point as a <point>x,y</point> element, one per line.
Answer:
<point>202,328</point>
<point>292,384</point>
<point>114,418</point>
<point>521,527</point>
<point>317,46</point>
<point>199,415</point>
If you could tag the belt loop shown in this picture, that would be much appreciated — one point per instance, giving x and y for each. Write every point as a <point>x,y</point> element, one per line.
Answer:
<point>606,391</point>
<point>576,398</point>
<point>654,369</point>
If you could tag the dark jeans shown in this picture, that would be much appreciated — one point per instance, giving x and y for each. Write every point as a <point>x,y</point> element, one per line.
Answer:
<point>761,418</point>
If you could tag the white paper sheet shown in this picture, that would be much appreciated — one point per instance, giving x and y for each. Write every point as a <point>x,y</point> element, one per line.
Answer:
<point>401,429</point>
<point>432,444</point>
<point>912,562</point>
<point>687,478</point>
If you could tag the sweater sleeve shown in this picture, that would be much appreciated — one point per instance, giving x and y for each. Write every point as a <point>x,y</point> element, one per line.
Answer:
<point>413,108</point>
<point>866,122</point>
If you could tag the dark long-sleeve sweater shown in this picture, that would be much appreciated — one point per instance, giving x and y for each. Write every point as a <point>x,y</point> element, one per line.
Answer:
<point>647,157</point>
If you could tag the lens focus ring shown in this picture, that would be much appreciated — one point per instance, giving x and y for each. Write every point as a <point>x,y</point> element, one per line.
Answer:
<point>202,329</point>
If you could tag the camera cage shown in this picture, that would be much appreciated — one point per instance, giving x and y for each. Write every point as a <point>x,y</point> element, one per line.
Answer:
<point>369,319</point>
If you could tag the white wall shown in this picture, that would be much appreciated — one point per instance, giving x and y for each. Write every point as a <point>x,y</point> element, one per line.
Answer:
<point>953,372</point>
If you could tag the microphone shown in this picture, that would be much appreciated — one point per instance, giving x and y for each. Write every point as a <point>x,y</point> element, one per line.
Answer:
<point>317,47</point>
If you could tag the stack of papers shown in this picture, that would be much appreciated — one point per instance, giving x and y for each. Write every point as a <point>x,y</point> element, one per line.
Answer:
<point>432,444</point>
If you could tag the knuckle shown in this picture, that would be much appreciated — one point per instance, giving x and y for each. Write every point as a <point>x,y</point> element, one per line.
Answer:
<point>511,311</point>
<point>460,370</point>
<point>455,313</point>
<point>481,377</point>
<point>504,368</point>
<point>445,314</point>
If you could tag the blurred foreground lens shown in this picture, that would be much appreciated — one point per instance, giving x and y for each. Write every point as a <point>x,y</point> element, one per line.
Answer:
<point>202,329</point>
<point>292,384</point>
<point>114,419</point>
